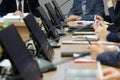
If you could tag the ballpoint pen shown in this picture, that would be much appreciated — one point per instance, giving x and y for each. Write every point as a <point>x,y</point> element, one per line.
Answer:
<point>88,40</point>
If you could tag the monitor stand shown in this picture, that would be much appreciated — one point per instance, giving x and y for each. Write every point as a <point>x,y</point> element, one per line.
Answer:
<point>61,32</point>
<point>53,43</point>
<point>45,66</point>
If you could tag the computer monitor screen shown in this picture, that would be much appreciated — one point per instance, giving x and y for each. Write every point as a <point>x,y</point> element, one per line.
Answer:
<point>58,10</point>
<point>50,29</point>
<point>17,53</point>
<point>43,46</point>
<point>53,15</point>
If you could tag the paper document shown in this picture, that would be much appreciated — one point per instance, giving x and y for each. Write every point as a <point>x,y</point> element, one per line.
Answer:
<point>85,42</point>
<point>84,23</point>
<point>12,18</point>
<point>90,37</point>
<point>83,33</point>
<point>83,59</point>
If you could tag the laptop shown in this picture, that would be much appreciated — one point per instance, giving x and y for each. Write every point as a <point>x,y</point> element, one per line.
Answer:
<point>23,64</point>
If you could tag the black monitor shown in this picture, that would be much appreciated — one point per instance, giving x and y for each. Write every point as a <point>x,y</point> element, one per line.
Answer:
<point>17,53</point>
<point>50,29</point>
<point>40,41</point>
<point>54,18</point>
<point>58,10</point>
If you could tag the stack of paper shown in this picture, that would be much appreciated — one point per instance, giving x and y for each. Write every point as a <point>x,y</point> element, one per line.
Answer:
<point>83,59</point>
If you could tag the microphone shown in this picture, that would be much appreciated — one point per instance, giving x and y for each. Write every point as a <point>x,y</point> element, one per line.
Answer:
<point>29,6</point>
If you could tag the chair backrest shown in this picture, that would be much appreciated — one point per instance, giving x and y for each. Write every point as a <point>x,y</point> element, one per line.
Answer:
<point>58,10</point>
<point>39,38</point>
<point>50,29</point>
<point>53,15</point>
<point>16,51</point>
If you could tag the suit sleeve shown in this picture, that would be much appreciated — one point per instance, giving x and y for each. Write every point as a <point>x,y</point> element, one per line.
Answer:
<point>99,9</point>
<point>110,58</point>
<point>33,5</point>
<point>113,37</point>
<point>115,13</point>
<point>3,7</point>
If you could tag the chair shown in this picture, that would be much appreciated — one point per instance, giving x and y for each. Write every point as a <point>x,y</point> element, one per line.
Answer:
<point>15,50</point>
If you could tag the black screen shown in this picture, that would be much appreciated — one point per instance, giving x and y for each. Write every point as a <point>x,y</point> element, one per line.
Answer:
<point>39,38</point>
<point>53,15</point>
<point>58,10</point>
<point>18,54</point>
<point>50,29</point>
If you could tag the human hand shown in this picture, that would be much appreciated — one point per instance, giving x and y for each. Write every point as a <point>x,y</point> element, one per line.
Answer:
<point>95,49</point>
<point>110,3</point>
<point>72,18</point>
<point>98,17</point>
<point>101,30</point>
<point>111,74</point>
<point>18,13</point>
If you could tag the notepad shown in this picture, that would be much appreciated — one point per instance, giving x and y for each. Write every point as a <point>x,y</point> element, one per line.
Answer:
<point>84,33</point>
<point>84,22</point>
<point>80,74</point>
<point>82,37</point>
<point>83,59</point>
<point>85,42</point>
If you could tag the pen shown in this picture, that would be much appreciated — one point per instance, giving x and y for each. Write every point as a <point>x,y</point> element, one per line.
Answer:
<point>96,23</point>
<point>88,40</point>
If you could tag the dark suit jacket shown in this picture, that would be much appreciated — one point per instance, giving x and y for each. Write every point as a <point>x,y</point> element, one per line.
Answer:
<point>110,58</point>
<point>93,6</point>
<point>8,6</point>
<point>115,13</point>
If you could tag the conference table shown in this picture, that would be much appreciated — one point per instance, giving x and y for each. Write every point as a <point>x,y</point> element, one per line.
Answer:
<point>62,63</point>
<point>21,28</point>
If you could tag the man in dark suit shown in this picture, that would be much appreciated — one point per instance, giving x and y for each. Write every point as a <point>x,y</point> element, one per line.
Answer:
<point>11,6</point>
<point>86,9</point>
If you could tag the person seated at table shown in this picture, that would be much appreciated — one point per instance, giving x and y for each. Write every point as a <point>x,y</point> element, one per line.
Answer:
<point>102,53</point>
<point>110,57</point>
<point>110,74</point>
<point>18,7</point>
<point>104,33</point>
<point>85,10</point>
<point>114,13</point>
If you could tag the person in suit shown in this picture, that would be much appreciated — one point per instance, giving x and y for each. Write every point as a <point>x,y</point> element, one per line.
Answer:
<point>105,53</point>
<point>114,11</point>
<point>11,6</point>
<point>86,9</point>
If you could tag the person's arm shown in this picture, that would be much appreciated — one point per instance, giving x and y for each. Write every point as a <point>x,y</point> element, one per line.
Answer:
<point>115,14</point>
<point>113,37</point>
<point>4,7</point>
<point>110,58</point>
<point>99,10</point>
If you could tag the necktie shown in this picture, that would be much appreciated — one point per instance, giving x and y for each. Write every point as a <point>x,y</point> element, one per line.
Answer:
<point>20,5</point>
